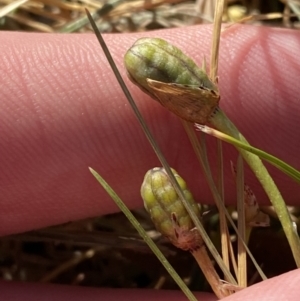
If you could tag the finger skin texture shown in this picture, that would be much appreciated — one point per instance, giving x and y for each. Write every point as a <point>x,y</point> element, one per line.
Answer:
<point>62,111</point>
<point>281,288</point>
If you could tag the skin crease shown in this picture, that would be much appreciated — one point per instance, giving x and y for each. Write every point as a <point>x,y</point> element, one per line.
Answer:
<point>62,111</point>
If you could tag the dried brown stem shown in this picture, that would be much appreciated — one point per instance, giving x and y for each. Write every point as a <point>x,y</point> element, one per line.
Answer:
<point>209,272</point>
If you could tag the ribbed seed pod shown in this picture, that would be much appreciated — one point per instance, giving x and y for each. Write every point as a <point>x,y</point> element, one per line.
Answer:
<point>157,59</point>
<point>167,211</point>
<point>169,76</point>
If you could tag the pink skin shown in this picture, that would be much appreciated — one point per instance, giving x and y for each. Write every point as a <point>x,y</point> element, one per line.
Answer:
<point>62,111</point>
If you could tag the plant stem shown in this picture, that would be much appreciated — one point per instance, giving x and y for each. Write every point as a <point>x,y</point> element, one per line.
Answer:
<point>221,122</point>
<point>209,271</point>
<point>200,151</point>
<point>281,165</point>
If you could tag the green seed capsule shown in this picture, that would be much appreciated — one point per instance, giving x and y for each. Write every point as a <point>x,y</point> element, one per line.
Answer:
<point>157,59</point>
<point>167,211</point>
<point>165,73</point>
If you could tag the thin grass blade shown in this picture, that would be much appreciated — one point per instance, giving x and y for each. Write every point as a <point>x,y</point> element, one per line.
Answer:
<point>281,165</point>
<point>11,7</point>
<point>242,255</point>
<point>200,151</point>
<point>83,21</point>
